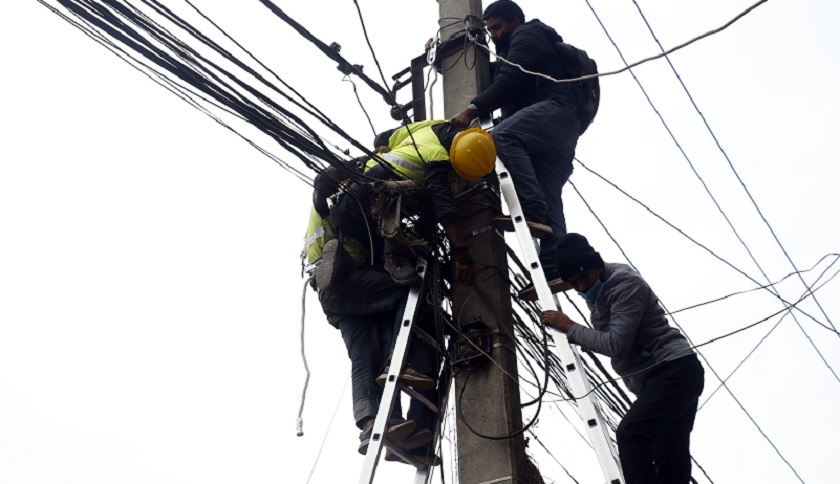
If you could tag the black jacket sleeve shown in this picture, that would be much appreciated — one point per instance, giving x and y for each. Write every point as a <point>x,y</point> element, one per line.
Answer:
<point>436,176</point>
<point>528,48</point>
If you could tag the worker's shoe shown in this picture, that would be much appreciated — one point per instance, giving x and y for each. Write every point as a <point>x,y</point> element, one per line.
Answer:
<point>414,379</point>
<point>538,229</point>
<point>529,292</point>
<point>427,459</point>
<point>397,264</point>
<point>417,439</point>
<point>334,261</point>
<point>397,431</point>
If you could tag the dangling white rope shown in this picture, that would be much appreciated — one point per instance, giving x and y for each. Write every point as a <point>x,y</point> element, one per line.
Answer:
<point>303,355</point>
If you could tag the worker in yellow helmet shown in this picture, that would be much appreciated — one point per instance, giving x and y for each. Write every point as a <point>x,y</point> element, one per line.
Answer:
<point>431,154</point>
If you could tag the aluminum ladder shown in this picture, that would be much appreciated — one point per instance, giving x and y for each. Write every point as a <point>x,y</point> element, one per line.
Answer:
<point>579,384</point>
<point>393,387</point>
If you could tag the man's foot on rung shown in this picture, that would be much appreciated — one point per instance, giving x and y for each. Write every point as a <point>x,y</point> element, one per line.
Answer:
<point>410,377</point>
<point>430,460</point>
<point>529,292</point>
<point>418,439</point>
<point>396,432</point>
<point>538,230</point>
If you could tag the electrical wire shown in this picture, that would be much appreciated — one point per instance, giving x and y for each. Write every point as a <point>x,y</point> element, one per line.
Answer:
<point>788,308</point>
<point>329,427</point>
<point>744,360</point>
<point>728,160</point>
<point>356,92</point>
<point>553,457</point>
<point>747,291</point>
<point>627,66</point>
<point>184,93</point>
<point>694,241</point>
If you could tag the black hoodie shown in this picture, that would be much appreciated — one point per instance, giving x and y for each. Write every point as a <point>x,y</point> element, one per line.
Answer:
<point>531,46</point>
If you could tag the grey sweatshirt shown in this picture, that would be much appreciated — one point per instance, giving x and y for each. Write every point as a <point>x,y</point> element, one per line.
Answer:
<point>629,326</point>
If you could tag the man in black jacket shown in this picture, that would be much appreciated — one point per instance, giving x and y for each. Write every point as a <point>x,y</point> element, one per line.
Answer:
<point>536,139</point>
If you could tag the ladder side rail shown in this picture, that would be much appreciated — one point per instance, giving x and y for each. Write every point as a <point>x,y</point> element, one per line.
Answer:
<point>588,407</point>
<point>391,390</point>
<point>423,475</point>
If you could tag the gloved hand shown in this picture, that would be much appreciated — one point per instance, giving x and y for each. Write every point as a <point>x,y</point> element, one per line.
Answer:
<point>465,270</point>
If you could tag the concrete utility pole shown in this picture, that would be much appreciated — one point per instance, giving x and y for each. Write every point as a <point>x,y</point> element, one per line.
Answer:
<point>490,403</point>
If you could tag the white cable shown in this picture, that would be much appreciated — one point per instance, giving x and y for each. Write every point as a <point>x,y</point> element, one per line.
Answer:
<point>303,355</point>
<point>602,74</point>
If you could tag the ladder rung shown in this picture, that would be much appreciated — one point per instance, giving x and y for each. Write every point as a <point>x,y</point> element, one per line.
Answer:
<point>402,454</point>
<point>420,398</point>
<point>425,337</point>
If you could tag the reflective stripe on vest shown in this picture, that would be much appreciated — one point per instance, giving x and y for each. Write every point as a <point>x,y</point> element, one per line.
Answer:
<point>323,231</point>
<point>397,160</point>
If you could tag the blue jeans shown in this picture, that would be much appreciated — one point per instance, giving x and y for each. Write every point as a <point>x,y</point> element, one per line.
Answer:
<point>365,305</point>
<point>537,145</point>
<point>368,340</point>
<point>423,359</point>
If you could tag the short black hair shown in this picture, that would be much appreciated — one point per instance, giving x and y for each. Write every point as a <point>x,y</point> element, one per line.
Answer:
<point>506,10</point>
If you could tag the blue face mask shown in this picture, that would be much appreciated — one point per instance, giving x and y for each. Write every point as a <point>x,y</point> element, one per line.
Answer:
<point>592,293</point>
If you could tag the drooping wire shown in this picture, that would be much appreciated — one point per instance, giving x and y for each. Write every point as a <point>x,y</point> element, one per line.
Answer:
<point>553,457</point>
<point>788,308</point>
<point>626,65</point>
<point>744,360</point>
<point>694,241</point>
<point>813,345</point>
<point>329,427</point>
<point>390,96</point>
<point>184,93</point>
<point>728,160</point>
<point>714,200</point>
<point>332,54</point>
<point>747,291</point>
<point>356,92</point>
<point>189,68</point>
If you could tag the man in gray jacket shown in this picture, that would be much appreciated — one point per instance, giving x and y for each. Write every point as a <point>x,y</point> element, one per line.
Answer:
<point>655,361</point>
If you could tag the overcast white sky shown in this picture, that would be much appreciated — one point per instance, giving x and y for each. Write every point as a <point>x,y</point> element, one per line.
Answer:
<point>150,289</point>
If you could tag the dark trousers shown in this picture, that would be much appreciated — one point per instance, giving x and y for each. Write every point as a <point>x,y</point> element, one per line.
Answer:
<point>653,438</point>
<point>367,339</point>
<point>424,359</point>
<point>364,305</point>
<point>537,145</point>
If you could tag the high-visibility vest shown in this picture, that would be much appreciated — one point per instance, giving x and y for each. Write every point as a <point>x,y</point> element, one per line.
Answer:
<point>403,155</point>
<point>321,231</point>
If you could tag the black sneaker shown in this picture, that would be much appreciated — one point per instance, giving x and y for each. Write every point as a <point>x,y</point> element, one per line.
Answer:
<point>529,292</point>
<point>538,230</point>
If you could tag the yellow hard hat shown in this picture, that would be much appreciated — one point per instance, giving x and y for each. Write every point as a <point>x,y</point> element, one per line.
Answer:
<point>473,154</point>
